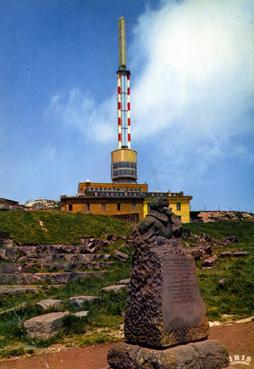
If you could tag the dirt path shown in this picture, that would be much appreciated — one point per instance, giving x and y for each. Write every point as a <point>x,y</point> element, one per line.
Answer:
<point>239,338</point>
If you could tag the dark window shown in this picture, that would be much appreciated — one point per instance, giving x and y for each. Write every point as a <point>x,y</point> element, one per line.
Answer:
<point>88,207</point>
<point>118,206</point>
<point>70,207</point>
<point>178,206</point>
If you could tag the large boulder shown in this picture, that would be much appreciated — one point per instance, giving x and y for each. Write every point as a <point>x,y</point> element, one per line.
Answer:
<point>209,262</point>
<point>121,256</point>
<point>209,354</point>
<point>45,326</point>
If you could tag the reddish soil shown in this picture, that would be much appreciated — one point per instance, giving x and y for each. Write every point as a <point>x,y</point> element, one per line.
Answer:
<point>239,339</point>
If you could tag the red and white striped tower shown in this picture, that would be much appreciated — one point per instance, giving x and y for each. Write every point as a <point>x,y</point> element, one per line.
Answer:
<point>124,160</point>
<point>123,108</point>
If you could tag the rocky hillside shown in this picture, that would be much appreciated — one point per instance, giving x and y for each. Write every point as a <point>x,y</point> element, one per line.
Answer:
<point>221,216</point>
<point>42,204</point>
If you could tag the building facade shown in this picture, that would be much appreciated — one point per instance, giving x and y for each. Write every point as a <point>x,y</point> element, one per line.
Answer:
<point>128,201</point>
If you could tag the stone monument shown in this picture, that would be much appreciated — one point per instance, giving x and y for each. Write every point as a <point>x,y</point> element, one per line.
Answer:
<point>165,322</point>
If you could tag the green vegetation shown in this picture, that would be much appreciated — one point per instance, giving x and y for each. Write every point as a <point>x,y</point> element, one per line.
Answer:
<point>244,231</point>
<point>236,296</point>
<point>104,313</point>
<point>105,316</point>
<point>44,227</point>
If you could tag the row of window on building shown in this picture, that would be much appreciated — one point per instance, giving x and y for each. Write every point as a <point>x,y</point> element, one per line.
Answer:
<point>137,189</point>
<point>103,206</point>
<point>115,194</point>
<point>124,164</point>
<point>122,172</point>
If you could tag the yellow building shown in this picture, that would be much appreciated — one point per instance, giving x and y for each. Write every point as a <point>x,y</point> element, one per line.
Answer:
<point>122,200</point>
<point>129,201</point>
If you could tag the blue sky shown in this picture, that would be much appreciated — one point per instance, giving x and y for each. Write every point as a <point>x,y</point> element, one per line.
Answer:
<point>192,96</point>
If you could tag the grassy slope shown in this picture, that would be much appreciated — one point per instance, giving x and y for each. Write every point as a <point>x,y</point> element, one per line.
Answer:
<point>58,227</point>
<point>236,297</point>
<point>106,315</point>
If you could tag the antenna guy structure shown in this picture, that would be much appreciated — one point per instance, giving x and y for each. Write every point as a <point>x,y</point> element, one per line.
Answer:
<point>124,159</point>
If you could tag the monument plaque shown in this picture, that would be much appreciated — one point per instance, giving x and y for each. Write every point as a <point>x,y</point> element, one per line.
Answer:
<point>182,305</point>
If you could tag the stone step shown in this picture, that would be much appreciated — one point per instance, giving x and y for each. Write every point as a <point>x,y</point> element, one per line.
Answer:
<point>16,290</point>
<point>45,266</point>
<point>40,278</point>
<point>51,253</point>
<point>8,268</point>
<point>55,257</point>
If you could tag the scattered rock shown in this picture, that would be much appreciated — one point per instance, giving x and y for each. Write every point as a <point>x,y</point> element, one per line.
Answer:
<point>124,281</point>
<point>226,254</point>
<point>196,253</point>
<point>11,253</point>
<point>91,245</point>
<point>186,233</point>
<point>111,237</point>
<point>237,253</point>
<point>240,253</point>
<point>81,314</point>
<point>222,283</point>
<point>48,304</point>
<point>45,326</point>
<point>209,262</point>
<point>78,301</point>
<point>124,238</point>
<point>6,242</point>
<point>121,256</point>
<point>208,249</point>
<point>231,239</point>
<point>114,288</point>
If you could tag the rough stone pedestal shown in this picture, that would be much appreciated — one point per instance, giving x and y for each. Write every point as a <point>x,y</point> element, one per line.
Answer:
<point>208,354</point>
<point>164,305</point>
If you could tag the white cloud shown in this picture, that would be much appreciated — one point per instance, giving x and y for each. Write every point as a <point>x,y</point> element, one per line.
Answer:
<point>80,111</point>
<point>199,67</point>
<point>193,82</point>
